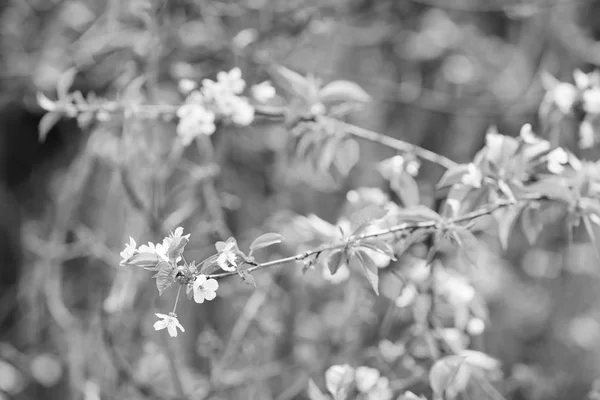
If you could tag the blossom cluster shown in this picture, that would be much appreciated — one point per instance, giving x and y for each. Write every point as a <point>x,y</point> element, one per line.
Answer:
<point>584,95</point>
<point>214,101</point>
<point>166,258</point>
<point>368,382</point>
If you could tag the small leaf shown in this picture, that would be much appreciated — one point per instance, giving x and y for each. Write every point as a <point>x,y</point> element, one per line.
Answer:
<point>47,123</point>
<point>553,188</point>
<point>449,376</point>
<point>335,259</point>
<point>45,102</point>
<point>379,246</point>
<point>176,248</point>
<point>531,224</point>
<point>418,213</point>
<point>589,227</point>
<point>292,82</point>
<point>506,222</point>
<point>343,91</point>
<point>314,393</point>
<point>414,237</point>
<point>64,83</point>
<point>369,267</point>
<point>366,215</point>
<point>247,278</point>
<point>468,244</point>
<point>407,189</point>
<point>347,156</point>
<point>266,240</point>
<point>164,277</point>
<point>453,176</point>
<point>327,153</point>
<point>146,260</point>
<point>209,265</point>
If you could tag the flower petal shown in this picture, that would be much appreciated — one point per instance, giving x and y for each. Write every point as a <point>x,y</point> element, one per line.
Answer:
<point>199,296</point>
<point>158,325</point>
<point>211,285</point>
<point>209,295</point>
<point>172,328</point>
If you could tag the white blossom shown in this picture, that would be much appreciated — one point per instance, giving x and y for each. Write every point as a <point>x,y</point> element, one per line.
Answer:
<point>129,251</point>
<point>366,378</point>
<point>263,92</point>
<point>170,322</point>
<point>204,289</point>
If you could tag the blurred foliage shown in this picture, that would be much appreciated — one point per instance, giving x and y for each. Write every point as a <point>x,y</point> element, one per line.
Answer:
<point>439,73</point>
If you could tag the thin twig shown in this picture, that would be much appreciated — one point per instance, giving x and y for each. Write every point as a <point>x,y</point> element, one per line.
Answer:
<point>394,229</point>
<point>392,143</point>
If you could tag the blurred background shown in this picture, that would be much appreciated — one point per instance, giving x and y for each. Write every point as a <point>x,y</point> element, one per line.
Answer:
<point>75,325</point>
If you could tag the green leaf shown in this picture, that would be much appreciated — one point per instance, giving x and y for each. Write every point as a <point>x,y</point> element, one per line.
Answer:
<point>146,260</point>
<point>64,83</point>
<point>247,278</point>
<point>414,237</point>
<point>379,246</point>
<point>468,244</point>
<point>453,176</point>
<point>589,227</point>
<point>209,265</point>
<point>335,259</point>
<point>407,189</point>
<point>368,266</point>
<point>266,240</point>
<point>366,216</point>
<point>449,376</point>
<point>343,91</point>
<point>314,393</point>
<point>293,82</point>
<point>47,123</point>
<point>531,224</point>
<point>177,246</point>
<point>554,188</point>
<point>347,156</point>
<point>418,213</point>
<point>506,221</point>
<point>164,277</point>
<point>328,151</point>
<point>45,102</point>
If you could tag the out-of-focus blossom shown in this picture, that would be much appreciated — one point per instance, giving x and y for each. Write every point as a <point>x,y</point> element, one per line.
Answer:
<point>564,96</point>
<point>263,92</point>
<point>473,177</point>
<point>366,378</point>
<point>475,327</point>
<point>170,322</point>
<point>556,160</point>
<point>187,85</point>
<point>129,251</point>
<point>338,377</point>
<point>232,80</point>
<point>527,135</point>
<point>381,390</point>
<point>591,100</point>
<point>194,120</point>
<point>587,138</point>
<point>227,258</point>
<point>204,289</point>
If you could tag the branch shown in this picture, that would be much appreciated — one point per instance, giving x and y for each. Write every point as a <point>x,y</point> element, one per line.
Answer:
<point>408,226</point>
<point>368,135</point>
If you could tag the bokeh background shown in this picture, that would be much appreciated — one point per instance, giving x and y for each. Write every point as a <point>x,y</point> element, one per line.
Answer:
<point>75,325</point>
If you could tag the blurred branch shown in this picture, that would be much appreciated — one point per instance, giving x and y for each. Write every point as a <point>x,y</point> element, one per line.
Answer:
<point>123,368</point>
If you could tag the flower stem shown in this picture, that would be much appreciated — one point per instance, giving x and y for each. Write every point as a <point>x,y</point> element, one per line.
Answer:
<point>177,299</point>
